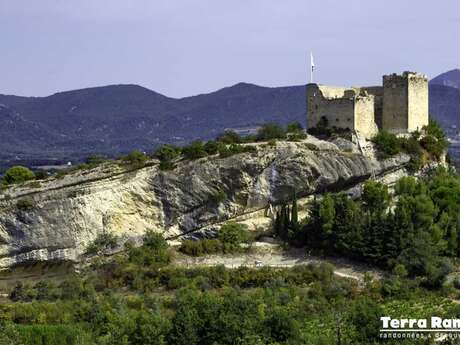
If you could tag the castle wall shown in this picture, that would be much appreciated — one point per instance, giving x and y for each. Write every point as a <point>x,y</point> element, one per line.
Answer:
<point>336,104</point>
<point>377,92</point>
<point>364,116</point>
<point>395,104</point>
<point>399,106</point>
<point>418,102</point>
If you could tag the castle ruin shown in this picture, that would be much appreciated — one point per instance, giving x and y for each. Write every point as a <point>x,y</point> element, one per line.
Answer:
<point>399,106</point>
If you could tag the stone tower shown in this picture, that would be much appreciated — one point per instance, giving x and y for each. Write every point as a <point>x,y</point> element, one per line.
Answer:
<point>405,102</point>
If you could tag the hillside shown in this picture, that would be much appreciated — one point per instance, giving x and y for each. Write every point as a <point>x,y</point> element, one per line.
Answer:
<point>56,218</point>
<point>450,78</point>
<point>112,120</point>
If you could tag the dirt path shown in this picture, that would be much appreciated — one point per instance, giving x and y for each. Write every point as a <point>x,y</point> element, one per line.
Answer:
<point>272,256</point>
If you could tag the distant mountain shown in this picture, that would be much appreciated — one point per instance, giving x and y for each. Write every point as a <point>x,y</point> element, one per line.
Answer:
<point>112,120</point>
<point>116,119</point>
<point>450,78</point>
<point>445,105</point>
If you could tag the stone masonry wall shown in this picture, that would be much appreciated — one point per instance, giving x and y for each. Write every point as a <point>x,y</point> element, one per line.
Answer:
<point>334,103</point>
<point>418,102</point>
<point>364,116</point>
<point>395,104</point>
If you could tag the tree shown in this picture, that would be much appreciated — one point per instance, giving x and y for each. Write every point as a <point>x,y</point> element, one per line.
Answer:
<point>387,143</point>
<point>294,127</point>
<point>167,152</point>
<point>232,235</point>
<point>327,214</point>
<point>17,174</point>
<point>211,147</point>
<point>194,151</point>
<point>375,196</point>
<point>135,157</point>
<point>270,131</point>
<point>9,335</point>
<point>230,137</point>
<point>365,317</point>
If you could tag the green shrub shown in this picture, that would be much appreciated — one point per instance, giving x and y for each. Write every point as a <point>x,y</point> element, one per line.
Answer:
<point>201,247</point>
<point>53,335</point>
<point>154,251</point>
<point>294,127</point>
<point>232,235</point>
<point>230,137</point>
<point>135,157</point>
<point>270,131</point>
<point>191,247</point>
<point>41,174</point>
<point>211,147</point>
<point>432,145</point>
<point>295,132</point>
<point>17,174</point>
<point>9,334</point>
<point>167,153</point>
<point>387,143</point>
<point>194,151</point>
<point>103,242</point>
<point>167,165</point>
<point>25,203</point>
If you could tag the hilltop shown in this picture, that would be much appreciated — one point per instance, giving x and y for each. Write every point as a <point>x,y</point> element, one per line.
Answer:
<point>115,119</point>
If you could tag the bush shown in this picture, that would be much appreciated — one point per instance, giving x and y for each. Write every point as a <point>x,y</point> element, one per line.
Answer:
<point>211,147</point>
<point>9,335</point>
<point>387,143</point>
<point>294,127</point>
<point>167,165</point>
<point>194,151</point>
<point>25,203</point>
<point>230,137</point>
<point>167,152</point>
<point>17,174</point>
<point>433,145</point>
<point>103,242</point>
<point>270,131</point>
<point>232,235</point>
<point>41,174</point>
<point>153,252</point>
<point>135,157</point>
<point>201,247</point>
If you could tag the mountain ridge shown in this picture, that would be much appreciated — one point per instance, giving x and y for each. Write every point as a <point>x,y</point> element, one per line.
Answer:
<point>115,119</point>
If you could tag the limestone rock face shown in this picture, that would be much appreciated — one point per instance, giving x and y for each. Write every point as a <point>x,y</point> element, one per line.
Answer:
<point>58,218</point>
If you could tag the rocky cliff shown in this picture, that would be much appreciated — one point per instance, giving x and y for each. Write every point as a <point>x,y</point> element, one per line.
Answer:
<point>56,218</point>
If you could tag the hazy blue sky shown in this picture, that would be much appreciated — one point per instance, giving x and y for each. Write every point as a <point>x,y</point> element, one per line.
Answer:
<point>185,47</point>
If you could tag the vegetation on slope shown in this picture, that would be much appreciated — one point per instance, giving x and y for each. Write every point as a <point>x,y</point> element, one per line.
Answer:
<point>138,298</point>
<point>417,227</point>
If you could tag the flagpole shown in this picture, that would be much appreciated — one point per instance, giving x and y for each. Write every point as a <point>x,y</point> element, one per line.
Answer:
<point>312,67</point>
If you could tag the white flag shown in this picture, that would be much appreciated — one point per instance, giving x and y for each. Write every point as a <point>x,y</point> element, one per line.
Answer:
<point>312,63</point>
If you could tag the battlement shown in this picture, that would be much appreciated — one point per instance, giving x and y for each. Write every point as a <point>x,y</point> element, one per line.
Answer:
<point>400,105</point>
<point>405,75</point>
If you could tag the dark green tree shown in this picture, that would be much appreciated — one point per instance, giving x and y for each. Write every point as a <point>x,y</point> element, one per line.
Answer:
<point>17,174</point>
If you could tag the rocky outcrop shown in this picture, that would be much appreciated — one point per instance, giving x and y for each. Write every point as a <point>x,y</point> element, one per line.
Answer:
<point>56,219</point>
